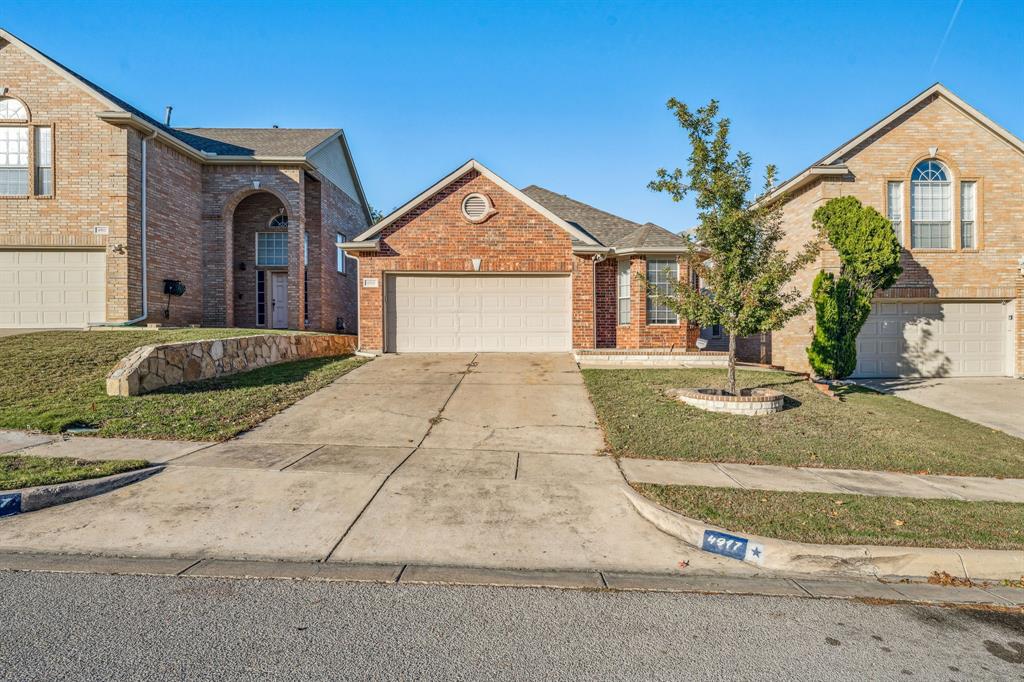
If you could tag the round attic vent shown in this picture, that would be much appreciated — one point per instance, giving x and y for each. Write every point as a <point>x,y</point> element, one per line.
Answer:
<point>477,207</point>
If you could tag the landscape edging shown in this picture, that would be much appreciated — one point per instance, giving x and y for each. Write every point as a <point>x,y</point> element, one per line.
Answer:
<point>807,558</point>
<point>43,496</point>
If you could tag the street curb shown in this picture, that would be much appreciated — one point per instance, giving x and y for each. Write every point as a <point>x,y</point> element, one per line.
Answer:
<point>810,559</point>
<point>593,580</point>
<point>40,497</point>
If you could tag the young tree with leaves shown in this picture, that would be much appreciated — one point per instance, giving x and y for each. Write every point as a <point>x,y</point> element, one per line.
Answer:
<point>869,256</point>
<point>736,255</point>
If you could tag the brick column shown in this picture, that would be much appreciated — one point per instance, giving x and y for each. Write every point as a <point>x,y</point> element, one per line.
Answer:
<point>296,266</point>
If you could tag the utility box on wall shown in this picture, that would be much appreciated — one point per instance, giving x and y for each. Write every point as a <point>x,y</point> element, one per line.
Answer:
<point>174,287</point>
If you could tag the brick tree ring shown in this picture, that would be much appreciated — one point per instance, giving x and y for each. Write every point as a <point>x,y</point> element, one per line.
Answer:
<point>750,401</point>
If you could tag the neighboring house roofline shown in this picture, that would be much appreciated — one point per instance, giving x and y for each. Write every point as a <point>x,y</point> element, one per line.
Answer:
<point>828,165</point>
<point>121,113</point>
<point>471,165</point>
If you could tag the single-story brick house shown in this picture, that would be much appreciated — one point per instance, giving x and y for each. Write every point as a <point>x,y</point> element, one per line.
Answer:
<point>952,182</point>
<point>100,204</point>
<point>474,264</point>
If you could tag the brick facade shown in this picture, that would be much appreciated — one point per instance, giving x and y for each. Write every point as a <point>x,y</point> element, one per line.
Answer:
<point>970,151</point>
<point>436,237</point>
<point>190,216</point>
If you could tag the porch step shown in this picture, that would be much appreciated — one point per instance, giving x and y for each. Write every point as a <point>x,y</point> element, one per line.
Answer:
<point>649,357</point>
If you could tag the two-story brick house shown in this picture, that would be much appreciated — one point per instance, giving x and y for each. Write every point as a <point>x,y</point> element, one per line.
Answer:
<point>100,204</point>
<point>952,183</point>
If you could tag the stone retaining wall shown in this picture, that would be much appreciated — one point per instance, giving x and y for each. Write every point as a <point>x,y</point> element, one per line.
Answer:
<point>148,368</point>
<point>750,401</point>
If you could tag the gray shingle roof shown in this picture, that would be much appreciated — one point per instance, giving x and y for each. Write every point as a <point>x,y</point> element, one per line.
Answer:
<point>611,230</point>
<point>254,141</point>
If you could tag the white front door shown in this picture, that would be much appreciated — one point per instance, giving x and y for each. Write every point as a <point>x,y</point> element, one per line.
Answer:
<point>52,288</point>
<point>506,313</point>
<point>935,339</point>
<point>279,300</point>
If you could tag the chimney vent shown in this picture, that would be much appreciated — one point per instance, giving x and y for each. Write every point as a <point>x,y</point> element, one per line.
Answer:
<point>167,115</point>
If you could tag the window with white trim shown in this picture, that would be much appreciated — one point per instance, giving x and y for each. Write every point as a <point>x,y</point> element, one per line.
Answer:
<point>340,239</point>
<point>13,161</point>
<point>279,221</point>
<point>44,161</point>
<point>623,287</point>
<point>12,110</point>
<point>894,208</point>
<point>968,208</point>
<point>662,274</point>
<point>272,248</point>
<point>930,206</point>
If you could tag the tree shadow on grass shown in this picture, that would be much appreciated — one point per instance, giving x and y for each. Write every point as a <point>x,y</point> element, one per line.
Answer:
<point>273,375</point>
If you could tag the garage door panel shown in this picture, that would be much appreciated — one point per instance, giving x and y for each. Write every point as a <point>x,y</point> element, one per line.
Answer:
<point>963,338</point>
<point>487,313</point>
<point>50,288</point>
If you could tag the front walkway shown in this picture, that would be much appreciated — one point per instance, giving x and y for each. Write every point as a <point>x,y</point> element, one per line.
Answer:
<point>813,480</point>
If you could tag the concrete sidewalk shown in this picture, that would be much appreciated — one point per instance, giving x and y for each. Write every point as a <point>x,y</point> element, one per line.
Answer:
<point>456,459</point>
<point>813,480</point>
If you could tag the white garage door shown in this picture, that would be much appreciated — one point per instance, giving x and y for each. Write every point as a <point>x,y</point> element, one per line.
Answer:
<point>446,313</point>
<point>52,288</point>
<point>915,339</point>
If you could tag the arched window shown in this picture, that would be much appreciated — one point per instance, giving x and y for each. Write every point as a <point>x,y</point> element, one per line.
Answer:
<point>12,110</point>
<point>280,220</point>
<point>931,206</point>
<point>14,143</point>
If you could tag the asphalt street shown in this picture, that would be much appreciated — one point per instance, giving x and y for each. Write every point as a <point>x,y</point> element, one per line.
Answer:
<point>100,627</point>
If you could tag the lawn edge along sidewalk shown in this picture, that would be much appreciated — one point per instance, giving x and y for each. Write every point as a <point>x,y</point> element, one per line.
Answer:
<point>811,559</point>
<point>21,500</point>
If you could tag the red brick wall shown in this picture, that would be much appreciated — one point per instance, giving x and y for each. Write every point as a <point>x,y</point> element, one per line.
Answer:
<point>252,215</point>
<point>338,291</point>
<point>638,333</point>
<point>607,303</point>
<point>173,237</point>
<point>434,237</point>
<point>224,187</point>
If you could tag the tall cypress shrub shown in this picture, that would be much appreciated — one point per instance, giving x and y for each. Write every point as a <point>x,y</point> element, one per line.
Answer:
<point>869,255</point>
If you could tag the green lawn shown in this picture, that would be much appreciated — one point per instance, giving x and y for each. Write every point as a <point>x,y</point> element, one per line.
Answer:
<point>18,471</point>
<point>864,430</point>
<point>848,519</point>
<point>52,380</point>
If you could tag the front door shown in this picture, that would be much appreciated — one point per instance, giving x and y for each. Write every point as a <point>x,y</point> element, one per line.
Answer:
<point>279,300</point>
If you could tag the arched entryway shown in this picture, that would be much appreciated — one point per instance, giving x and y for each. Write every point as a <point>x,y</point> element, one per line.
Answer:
<point>261,250</point>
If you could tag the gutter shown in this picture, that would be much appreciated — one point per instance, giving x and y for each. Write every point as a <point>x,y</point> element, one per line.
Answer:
<point>124,118</point>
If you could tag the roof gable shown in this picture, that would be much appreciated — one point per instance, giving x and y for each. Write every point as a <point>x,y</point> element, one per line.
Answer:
<point>574,231</point>
<point>832,163</point>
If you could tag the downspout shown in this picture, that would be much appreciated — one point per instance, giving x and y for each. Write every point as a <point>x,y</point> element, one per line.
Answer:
<point>145,212</point>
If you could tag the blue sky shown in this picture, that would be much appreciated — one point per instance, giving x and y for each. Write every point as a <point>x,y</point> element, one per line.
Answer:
<point>569,96</point>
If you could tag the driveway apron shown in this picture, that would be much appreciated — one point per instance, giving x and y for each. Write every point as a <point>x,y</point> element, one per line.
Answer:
<point>465,459</point>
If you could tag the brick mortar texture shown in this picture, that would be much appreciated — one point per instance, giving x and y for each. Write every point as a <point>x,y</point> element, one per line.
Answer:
<point>971,152</point>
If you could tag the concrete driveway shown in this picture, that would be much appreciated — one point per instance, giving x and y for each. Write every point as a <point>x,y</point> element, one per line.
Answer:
<point>996,402</point>
<point>15,332</point>
<point>484,460</point>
